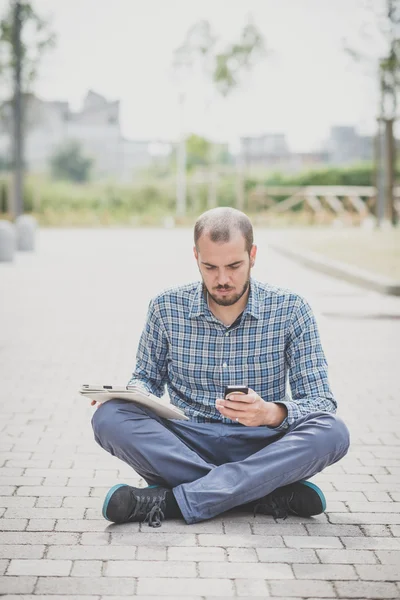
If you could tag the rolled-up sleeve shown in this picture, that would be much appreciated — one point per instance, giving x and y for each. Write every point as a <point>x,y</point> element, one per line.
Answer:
<point>151,359</point>
<point>307,366</point>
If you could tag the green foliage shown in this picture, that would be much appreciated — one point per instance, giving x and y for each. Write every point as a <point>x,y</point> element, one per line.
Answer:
<point>361,174</point>
<point>36,38</point>
<point>223,67</point>
<point>69,163</point>
<point>198,151</point>
<point>150,200</point>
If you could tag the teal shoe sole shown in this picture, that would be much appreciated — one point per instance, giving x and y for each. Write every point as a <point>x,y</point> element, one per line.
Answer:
<point>110,493</point>
<point>108,498</point>
<point>318,490</point>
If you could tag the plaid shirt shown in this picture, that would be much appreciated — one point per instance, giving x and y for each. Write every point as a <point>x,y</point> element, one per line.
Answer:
<point>186,348</point>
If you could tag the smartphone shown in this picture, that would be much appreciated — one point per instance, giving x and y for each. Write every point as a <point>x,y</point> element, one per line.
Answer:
<point>237,389</point>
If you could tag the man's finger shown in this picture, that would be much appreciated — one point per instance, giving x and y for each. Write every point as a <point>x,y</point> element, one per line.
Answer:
<point>244,398</point>
<point>236,406</point>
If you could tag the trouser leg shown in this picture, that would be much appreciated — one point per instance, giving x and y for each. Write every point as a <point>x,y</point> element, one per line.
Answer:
<point>311,444</point>
<point>143,440</point>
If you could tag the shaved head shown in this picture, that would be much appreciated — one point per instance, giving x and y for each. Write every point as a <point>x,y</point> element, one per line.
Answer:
<point>219,224</point>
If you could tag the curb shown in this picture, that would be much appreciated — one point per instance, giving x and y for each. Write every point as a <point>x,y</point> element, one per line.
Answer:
<point>340,270</point>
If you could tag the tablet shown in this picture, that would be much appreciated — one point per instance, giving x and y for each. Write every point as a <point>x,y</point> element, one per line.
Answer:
<point>103,393</point>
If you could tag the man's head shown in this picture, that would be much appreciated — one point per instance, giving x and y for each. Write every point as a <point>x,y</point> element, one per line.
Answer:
<point>225,253</point>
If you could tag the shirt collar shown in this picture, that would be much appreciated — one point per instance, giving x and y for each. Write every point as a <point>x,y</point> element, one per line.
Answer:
<point>199,303</point>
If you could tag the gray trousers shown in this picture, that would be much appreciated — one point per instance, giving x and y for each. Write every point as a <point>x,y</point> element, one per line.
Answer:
<point>213,467</point>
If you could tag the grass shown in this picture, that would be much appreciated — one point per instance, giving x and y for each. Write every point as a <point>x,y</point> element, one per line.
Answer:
<point>377,251</point>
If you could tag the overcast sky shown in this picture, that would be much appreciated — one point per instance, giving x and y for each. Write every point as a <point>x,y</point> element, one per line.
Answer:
<point>123,49</point>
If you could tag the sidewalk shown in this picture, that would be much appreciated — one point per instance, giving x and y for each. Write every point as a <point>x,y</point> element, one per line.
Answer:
<point>71,313</point>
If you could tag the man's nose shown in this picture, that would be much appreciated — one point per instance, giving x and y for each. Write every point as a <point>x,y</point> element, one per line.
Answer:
<point>223,277</point>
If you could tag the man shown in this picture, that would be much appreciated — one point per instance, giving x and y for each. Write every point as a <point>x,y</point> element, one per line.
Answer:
<point>255,450</point>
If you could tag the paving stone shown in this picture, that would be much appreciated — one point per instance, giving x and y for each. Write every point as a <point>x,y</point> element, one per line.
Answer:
<point>45,513</point>
<point>147,553</point>
<point>85,586</point>
<point>286,555</point>
<point>366,589</point>
<point>7,524</point>
<point>80,525</point>
<point>379,572</point>
<point>25,490</point>
<point>319,589</point>
<point>337,530</point>
<point>28,537</point>
<point>3,566</point>
<point>17,585</point>
<point>346,556</point>
<point>179,587</point>
<point>8,501</point>
<point>325,571</point>
<point>94,552</point>
<point>240,555</point>
<point>247,570</point>
<point>96,539</point>
<point>41,525</point>
<point>196,553</point>
<point>241,541</point>
<point>376,530</point>
<point>161,568</point>
<point>8,551</point>
<point>39,567</point>
<point>86,568</point>
<point>153,539</point>
<point>312,542</point>
<point>371,543</point>
<point>49,502</point>
<point>280,529</point>
<point>251,587</point>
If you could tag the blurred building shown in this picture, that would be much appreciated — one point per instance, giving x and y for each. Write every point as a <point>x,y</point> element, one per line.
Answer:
<point>267,150</point>
<point>49,125</point>
<point>271,151</point>
<point>345,146</point>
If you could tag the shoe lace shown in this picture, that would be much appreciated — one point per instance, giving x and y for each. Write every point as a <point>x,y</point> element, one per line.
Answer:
<point>152,509</point>
<point>278,505</point>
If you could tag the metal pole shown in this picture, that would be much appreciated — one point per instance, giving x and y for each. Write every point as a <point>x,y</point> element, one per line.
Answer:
<point>381,175</point>
<point>17,141</point>
<point>181,166</point>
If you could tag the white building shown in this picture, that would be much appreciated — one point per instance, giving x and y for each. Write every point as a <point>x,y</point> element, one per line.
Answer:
<point>96,127</point>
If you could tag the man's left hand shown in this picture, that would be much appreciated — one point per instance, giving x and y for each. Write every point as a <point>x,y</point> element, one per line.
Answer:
<point>251,410</point>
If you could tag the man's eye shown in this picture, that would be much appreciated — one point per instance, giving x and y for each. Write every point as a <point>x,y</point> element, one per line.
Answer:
<point>235,267</point>
<point>210,268</point>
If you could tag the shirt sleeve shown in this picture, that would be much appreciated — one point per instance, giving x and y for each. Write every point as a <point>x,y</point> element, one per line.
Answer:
<point>308,368</point>
<point>151,359</point>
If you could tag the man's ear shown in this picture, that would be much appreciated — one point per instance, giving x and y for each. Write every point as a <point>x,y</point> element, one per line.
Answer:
<point>195,252</point>
<point>253,254</point>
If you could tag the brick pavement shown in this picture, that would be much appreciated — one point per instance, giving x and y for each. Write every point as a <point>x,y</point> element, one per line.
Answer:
<point>71,313</point>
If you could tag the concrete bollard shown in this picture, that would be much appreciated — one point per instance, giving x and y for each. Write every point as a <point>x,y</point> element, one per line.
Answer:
<point>8,242</point>
<point>26,229</point>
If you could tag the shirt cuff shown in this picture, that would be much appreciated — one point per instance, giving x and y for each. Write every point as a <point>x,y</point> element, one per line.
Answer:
<point>290,418</point>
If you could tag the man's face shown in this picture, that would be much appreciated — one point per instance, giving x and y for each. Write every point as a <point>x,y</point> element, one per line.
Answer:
<point>225,267</point>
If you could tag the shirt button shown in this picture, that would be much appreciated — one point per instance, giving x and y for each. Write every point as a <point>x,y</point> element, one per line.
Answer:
<point>224,365</point>
<point>227,333</point>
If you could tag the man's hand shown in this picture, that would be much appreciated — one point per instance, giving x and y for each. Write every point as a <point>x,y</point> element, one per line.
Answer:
<point>251,410</point>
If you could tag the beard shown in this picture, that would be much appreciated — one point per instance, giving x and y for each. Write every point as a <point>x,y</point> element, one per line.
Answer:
<point>232,299</point>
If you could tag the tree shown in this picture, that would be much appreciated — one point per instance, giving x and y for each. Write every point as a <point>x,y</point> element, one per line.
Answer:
<point>198,150</point>
<point>222,66</point>
<point>68,162</point>
<point>24,35</point>
<point>386,68</point>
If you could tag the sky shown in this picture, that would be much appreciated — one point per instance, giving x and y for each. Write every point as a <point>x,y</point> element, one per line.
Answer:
<point>306,82</point>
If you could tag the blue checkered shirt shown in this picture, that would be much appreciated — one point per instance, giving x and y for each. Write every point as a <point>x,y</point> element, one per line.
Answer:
<point>186,348</point>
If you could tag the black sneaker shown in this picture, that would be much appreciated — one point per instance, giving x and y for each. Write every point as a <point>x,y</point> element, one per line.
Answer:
<point>126,504</point>
<point>303,499</point>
